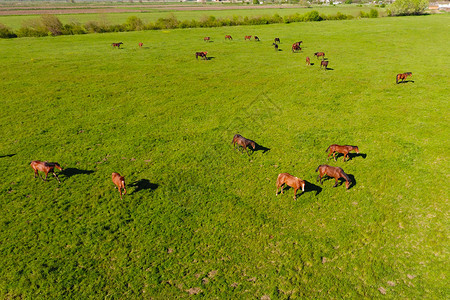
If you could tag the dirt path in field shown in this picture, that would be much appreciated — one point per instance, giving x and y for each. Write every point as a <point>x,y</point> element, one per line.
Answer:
<point>42,10</point>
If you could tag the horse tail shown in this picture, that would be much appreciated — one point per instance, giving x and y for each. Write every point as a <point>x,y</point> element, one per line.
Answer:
<point>328,148</point>
<point>396,79</point>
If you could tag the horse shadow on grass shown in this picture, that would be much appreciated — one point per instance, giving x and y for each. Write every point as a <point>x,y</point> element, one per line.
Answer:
<point>259,147</point>
<point>406,81</point>
<point>7,155</point>
<point>69,172</point>
<point>143,184</point>
<point>210,58</point>
<point>329,69</point>
<point>310,187</point>
<point>350,156</point>
<point>340,180</point>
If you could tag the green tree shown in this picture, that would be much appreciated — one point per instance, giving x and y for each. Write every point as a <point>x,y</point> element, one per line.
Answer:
<point>408,7</point>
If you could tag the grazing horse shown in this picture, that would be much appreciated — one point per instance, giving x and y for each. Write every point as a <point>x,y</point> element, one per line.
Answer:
<point>317,54</point>
<point>296,48</point>
<point>207,39</point>
<point>117,45</point>
<point>308,61</point>
<point>345,149</point>
<point>277,40</point>
<point>298,43</point>
<point>228,37</point>
<point>45,167</point>
<point>141,44</point>
<point>256,38</point>
<point>201,54</point>
<point>119,181</point>
<point>335,172</point>
<point>292,181</point>
<point>247,37</point>
<point>324,64</point>
<point>275,46</point>
<point>240,140</point>
<point>402,76</point>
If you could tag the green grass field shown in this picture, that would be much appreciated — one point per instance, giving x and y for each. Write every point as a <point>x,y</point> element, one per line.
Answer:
<point>200,217</point>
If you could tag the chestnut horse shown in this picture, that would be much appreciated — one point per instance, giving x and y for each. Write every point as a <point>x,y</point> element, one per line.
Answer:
<point>207,39</point>
<point>317,54</point>
<point>119,181</point>
<point>324,64</point>
<point>277,40</point>
<point>240,140</point>
<point>308,61</point>
<point>335,172</point>
<point>228,37</point>
<point>117,45</point>
<point>45,167</point>
<point>292,181</point>
<point>296,47</point>
<point>402,76</point>
<point>141,44</point>
<point>247,37</point>
<point>201,54</point>
<point>345,149</point>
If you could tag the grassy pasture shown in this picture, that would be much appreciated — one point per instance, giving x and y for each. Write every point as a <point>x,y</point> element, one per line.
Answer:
<point>200,217</point>
<point>152,15</point>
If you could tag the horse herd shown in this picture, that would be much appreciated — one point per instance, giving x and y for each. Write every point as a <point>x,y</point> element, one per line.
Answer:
<point>286,179</point>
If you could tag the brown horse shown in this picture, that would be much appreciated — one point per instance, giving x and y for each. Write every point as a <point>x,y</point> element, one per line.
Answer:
<point>308,61</point>
<point>207,39</point>
<point>298,43</point>
<point>45,167</point>
<point>256,38</point>
<point>117,45</point>
<point>275,45</point>
<point>335,172</point>
<point>228,37</point>
<point>119,181</point>
<point>402,76</point>
<point>141,44</point>
<point>240,140</point>
<point>296,47</point>
<point>292,181</point>
<point>345,149</point>
<point>324,64</point>
<point>277,40</point>
<point>247,37</point>
<point>318,54</point>
<point>201,54</point>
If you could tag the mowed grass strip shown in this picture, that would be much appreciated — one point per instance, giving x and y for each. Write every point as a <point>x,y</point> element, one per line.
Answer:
<point>200,217</point>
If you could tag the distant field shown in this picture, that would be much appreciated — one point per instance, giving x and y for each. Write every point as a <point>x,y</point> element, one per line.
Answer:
<point>151,15</point>
<point>200,217</point>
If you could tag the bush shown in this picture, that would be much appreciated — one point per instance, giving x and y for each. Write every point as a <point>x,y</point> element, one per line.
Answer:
<point>134,23</point>
<point>373,13</point>
<point>312,16</point>
<point>6,32</point>
<point>52,24</point>
<point>32,28</point>
<point>408,7</point>
<point>73,28</point>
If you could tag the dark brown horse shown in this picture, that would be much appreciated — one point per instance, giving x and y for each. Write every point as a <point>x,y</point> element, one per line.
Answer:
<point>247,37</point>
<point>119,181</point>
<point>228,37</point>
<point>402,76</point>
<point>275,45</point>
<point>256,38</point>
<point>324,64</point>
<point>45,167</point>
<point>240,140</point>
<point>117,45</point>
<point>207,39</point>
<point>201,54</point>
<point>296,47</point>
<point>308,61</point>
<point>277,40</point>
<point>345,149</point>
<point>319,54</point>
<point>292,181</point>
<point>335,172</point>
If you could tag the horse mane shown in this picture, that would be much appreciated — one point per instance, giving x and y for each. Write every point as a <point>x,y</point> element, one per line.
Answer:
<point>50,164</point>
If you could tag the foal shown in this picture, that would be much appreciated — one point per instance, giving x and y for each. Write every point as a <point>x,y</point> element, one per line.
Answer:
<point>119,181</point>
<point>292,181</point>
<point>45,167</point>
<point>240,140</point>
<point>341,149</point>
<point>335,172</point>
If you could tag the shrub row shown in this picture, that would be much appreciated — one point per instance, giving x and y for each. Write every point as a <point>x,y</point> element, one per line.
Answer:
<point>50,25</point>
